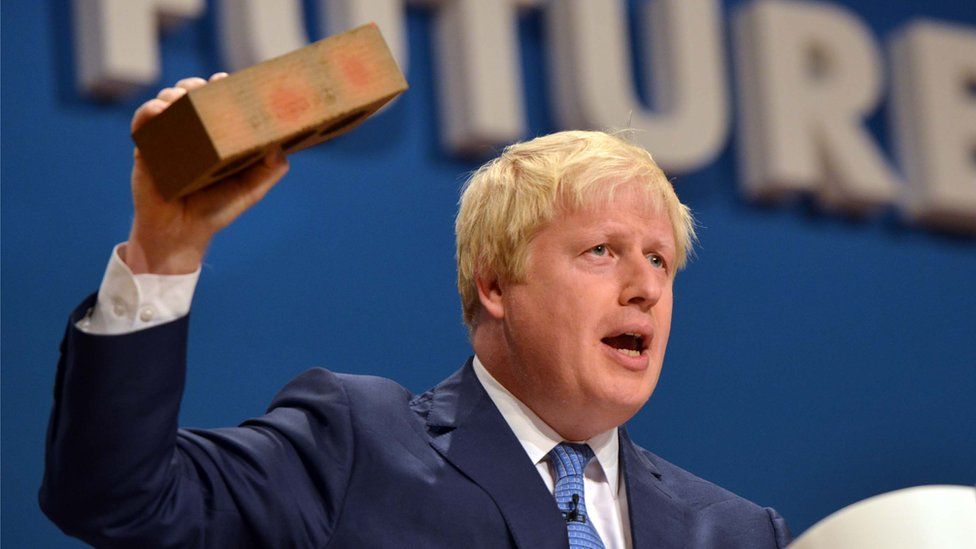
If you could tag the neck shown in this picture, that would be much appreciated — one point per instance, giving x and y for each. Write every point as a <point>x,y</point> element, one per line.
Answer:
<point>574,422</point>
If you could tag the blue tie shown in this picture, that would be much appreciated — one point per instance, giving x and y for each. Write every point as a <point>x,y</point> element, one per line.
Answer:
<point>569,460</point>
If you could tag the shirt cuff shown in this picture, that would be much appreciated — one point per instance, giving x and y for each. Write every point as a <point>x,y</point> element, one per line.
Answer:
<point>128,302</point>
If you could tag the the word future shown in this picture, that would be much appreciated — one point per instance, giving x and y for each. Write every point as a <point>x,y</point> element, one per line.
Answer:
<point>808,74</point>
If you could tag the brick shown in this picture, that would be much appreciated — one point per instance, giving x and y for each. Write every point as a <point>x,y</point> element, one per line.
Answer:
<point>295,101</point>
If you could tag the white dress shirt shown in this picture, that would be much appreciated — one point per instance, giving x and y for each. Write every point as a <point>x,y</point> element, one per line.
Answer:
<point>128,302</point>
<point>605,494</point>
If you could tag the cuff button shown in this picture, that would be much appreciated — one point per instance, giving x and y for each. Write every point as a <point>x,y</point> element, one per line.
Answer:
<point>146,314</point>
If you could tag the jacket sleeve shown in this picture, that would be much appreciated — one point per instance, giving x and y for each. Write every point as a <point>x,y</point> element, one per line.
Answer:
<point>118,471</point>
<point>780,529</point>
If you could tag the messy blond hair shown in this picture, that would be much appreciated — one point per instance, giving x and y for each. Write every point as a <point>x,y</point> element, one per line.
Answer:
<point>508,200</point>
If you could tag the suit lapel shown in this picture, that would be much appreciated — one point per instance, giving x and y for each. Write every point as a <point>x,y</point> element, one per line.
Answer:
<point>656,518</point>
<point>468,431</point>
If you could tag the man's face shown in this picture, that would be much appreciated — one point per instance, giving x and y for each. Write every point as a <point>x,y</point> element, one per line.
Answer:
<point>587,328</point>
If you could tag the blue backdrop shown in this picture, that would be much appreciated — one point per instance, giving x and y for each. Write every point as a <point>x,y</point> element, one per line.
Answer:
<point>848,346</point>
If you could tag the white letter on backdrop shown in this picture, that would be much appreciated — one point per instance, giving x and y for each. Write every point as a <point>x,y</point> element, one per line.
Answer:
<point>478,73</point>
<point>341,15</point>
<point>252,31</point>
<point>116,42</point>
<point>808,75</point>
<point>592,85</point>
<point>935,118</point>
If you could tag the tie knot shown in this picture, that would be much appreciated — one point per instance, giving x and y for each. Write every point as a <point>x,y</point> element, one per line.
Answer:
<point>570,459</point>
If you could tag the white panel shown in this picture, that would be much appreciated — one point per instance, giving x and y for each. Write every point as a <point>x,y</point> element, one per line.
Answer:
<point>518,3</point>
<point>923,517</point>
<point>592,85</point>
<point>809,73</point>
<point>252,31</point>
<point>342,15</point>
<point>934,89</point>
<point>117,42</point>
<point>478,75</point>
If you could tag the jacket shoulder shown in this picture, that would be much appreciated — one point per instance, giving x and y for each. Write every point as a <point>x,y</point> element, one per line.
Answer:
<point>691,489</point>
<point>723,518</point>
<point>364,398</point>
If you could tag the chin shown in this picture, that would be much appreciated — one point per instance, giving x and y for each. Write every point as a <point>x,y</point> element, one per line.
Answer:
<point>634,398</point>
<point>623,405</point>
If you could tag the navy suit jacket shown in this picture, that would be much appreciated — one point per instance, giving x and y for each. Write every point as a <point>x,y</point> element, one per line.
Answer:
<point>337,460</point>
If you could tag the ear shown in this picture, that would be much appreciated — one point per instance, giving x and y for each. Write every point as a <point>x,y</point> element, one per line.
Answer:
<point>490,294</point>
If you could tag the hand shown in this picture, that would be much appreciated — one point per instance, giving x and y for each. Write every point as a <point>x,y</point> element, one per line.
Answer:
<point>172,237</point>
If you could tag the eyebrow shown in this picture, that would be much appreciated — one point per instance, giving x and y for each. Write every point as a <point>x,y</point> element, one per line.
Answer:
<point>611,229</point>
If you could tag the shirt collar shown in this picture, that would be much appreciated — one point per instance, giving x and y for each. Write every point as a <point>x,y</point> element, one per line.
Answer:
<point>538,438</point>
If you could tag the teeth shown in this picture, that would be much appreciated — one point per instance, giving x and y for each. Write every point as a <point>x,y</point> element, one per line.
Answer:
<point>628,352</point>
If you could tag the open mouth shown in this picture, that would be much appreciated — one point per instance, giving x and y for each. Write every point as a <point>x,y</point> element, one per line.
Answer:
<point>630,343</point>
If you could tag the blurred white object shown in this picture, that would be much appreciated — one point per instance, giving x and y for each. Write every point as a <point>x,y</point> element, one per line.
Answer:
<point>923,517</point>
<point>116,42</point>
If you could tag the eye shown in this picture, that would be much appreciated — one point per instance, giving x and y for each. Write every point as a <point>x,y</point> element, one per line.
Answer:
<point>656,261</point>
<point>599,250</point>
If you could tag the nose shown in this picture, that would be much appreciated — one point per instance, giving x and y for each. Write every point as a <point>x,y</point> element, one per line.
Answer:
<point>642,283</point>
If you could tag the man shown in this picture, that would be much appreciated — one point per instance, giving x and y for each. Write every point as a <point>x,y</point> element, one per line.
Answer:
<point>567,249</point>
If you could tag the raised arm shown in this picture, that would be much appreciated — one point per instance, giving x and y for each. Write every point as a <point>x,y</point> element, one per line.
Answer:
<point>119,472</point>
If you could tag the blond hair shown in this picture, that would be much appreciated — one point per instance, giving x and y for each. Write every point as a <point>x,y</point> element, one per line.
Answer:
<point>508,200</point>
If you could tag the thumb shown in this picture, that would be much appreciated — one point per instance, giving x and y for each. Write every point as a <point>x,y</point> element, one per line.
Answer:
<point>227,200</point>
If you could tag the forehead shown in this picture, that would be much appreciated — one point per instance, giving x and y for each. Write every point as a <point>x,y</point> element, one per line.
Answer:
<point>590,191</point>
<point>633,197</point>
<point>626,210</point>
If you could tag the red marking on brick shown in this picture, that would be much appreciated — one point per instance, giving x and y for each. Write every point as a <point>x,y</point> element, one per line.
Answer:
<point>355,71</point>
<point>287,104</point>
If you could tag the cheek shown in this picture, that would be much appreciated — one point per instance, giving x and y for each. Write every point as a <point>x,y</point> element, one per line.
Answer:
<point>530,323</point>
<point>549,330</point>
<point>576,318</point>
<point>662,313</point>
<point>550,302</point>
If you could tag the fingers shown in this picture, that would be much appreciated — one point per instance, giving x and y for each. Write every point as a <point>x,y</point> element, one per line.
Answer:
<point>171,94</point>
<point>275,157</point>
<point>255,182</point>
<point>166,96</point>
<point>224,201</point>
<point>259,181</point>
<point>191,83</point>
<point>146,111</point>
<point>180,88</point>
